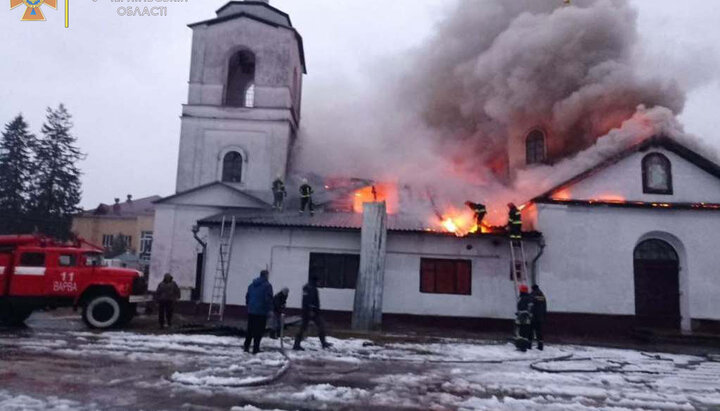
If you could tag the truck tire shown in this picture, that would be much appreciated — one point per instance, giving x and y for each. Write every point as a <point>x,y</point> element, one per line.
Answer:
<point>102,311</point>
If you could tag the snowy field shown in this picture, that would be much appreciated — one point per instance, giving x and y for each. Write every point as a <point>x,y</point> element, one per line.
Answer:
<point>66,370</point>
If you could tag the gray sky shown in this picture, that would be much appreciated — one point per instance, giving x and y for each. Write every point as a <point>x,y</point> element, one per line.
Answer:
<point>124,78</point>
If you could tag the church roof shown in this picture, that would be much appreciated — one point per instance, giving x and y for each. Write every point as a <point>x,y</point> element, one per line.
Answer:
<point>328,220</point>
<point>259,11</point>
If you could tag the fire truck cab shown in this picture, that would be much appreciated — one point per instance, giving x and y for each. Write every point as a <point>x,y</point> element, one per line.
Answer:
<point>37,272</point>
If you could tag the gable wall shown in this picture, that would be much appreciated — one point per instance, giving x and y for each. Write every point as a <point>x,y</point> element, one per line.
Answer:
<point>623,180</point>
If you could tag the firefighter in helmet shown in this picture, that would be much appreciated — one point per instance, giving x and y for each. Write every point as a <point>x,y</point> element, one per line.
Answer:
<point>479,209</point>
<point>523,319</point>
<point>306,193</point>
<point>279,193</point>
<point>514,223</point>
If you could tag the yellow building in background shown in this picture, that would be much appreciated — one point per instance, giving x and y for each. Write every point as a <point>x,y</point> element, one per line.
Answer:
<point>129,223</point>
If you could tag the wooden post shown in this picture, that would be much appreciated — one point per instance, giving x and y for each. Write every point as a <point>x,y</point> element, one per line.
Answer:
<point>367,313</point>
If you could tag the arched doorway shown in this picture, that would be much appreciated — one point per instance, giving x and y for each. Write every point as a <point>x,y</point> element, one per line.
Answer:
<point>657,284</point>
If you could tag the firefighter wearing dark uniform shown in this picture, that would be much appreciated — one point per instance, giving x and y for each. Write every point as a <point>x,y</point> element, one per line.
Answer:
<point>306,193</point>
<point>311,312</point>
<point>279,193</point>
<point>539,310</point>
<point>514,223</point>
<point>523,319</point>
<point>479,210</point>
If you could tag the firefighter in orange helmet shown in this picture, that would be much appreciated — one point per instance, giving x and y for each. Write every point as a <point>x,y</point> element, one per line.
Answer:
<point>523,319</point>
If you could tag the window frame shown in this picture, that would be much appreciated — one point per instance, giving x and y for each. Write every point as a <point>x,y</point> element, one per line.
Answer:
<point>22,263</point>
<point>533,137</point>
<point>73,260</point>
<point>146,241</point>
<point>344,282</point>
<point>457,288</point>
<point>241,164</point>
<point>666,164</point>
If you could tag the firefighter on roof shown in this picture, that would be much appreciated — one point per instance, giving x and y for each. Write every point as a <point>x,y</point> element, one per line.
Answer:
<point>479,209</point>
<point>523,319</point>
<point>306,193</point>
<point>514,223</point>
<point>279,193</point>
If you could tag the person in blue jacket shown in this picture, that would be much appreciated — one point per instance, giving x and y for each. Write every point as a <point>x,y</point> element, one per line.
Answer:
<point>259,301</point>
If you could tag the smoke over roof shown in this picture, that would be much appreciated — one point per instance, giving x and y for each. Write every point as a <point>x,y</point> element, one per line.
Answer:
<point>442,115</point>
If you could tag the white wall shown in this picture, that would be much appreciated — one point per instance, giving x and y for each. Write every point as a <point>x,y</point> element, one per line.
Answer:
<point>624,179</point>
<point>174,248</point>
<point>588,262</point>
<point>287,253</point>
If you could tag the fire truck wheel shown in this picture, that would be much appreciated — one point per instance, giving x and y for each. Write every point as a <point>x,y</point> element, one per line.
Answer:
<point>102,311</point>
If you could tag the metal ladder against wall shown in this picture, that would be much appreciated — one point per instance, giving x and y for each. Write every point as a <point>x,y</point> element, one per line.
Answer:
<point>216,310</point>
<point>519,264</point>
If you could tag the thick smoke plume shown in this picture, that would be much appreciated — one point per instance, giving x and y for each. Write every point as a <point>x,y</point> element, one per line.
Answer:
<point>445,115</point>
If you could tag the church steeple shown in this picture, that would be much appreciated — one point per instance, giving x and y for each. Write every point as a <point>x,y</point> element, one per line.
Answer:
<point>244,97</point>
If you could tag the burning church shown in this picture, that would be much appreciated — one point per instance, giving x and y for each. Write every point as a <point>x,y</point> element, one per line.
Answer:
<point>544,106</point>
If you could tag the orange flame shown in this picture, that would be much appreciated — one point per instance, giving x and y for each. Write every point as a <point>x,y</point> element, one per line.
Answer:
<point>379,192</point>
<point>460,223</point>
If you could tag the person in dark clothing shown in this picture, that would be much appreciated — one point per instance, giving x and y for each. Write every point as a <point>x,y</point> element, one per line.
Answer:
<point>279,302</point>
<point>514,223</point>
<point>311,312</point>
<point>306,193</point>
<point>523,319</point>
<point>279,193</point>
<point>259,299</point>
<point>166,294</point>
<point>539,310</point>
<point>479,209</point>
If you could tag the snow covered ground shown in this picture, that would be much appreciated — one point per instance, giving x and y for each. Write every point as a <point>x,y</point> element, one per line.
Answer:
<point>173,371</point>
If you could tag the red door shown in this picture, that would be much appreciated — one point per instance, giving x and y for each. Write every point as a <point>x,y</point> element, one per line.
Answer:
<point>62,274</point>
<point>657,285</point>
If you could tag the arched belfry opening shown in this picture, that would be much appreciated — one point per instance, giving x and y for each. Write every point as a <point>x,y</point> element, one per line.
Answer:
<point>240,87</point>
<point>657,284</point>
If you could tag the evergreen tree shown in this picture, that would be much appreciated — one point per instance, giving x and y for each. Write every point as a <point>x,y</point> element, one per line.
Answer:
<point>56,187</point>
<point>15,173</point>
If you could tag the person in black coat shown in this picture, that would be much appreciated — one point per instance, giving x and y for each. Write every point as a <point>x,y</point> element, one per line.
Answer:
<point>523,319</point>
<point>311,312</point>
<point>167,293</point>
<point>539,310</point>
<point>279,303</point>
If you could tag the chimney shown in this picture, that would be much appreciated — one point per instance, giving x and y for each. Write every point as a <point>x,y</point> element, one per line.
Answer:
<point>116,206</point>
<point>367,312</point>
<point>129,198</point>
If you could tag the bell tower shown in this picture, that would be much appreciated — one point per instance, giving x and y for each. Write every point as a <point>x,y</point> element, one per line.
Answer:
<point>244,98</point>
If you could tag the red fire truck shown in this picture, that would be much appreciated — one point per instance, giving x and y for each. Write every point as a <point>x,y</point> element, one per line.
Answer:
<point>37,272</point>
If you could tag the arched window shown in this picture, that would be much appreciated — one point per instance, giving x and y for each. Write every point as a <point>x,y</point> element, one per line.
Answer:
<point>655,250</point>
<point>232,167</point>
<point>656,174</point>
<point>535,147</point>
<point>240,87</point>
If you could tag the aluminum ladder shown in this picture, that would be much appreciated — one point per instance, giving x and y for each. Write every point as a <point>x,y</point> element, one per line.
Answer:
<point>519,264</point>
<point>216,310</point>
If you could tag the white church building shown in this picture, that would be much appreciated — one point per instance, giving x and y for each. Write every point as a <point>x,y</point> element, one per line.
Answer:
<point>631,241</point>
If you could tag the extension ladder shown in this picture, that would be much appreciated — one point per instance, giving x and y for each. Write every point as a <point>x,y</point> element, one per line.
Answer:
<point>216,310</point>
<point>519,264</point>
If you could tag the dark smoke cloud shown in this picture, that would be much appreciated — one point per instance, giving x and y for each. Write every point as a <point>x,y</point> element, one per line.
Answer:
<point>494,69</point>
